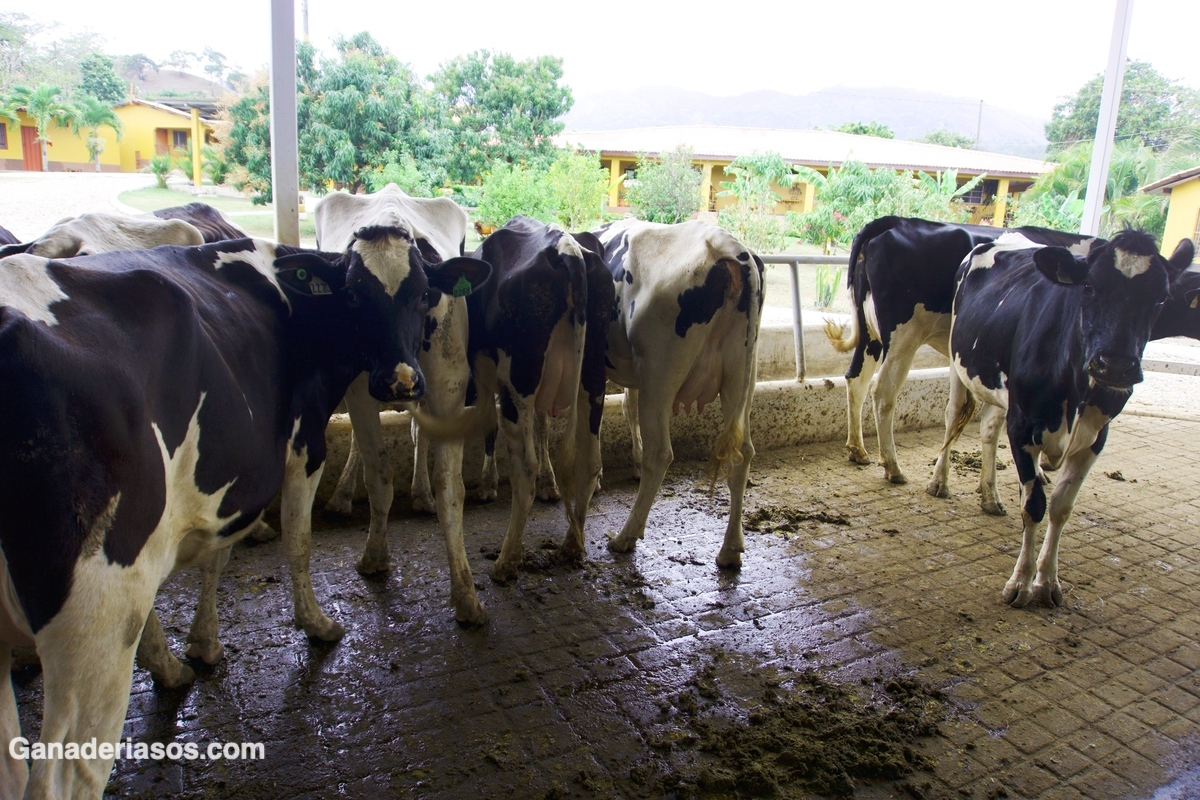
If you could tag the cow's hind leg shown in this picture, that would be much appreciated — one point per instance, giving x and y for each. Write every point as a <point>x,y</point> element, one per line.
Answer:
<point>905,342</point>
<point>154,655</point>
<point>989,435</point>
<point>858,382</point>
<point>736,400</point>
<point>204,642</point>
<point>654,412</point>
<point>547,487</point>
<point>521,437</point>
<point>14,772</point>
<point>959,408</point>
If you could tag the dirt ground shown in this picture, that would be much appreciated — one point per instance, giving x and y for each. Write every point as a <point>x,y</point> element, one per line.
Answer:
<point>866,621</point>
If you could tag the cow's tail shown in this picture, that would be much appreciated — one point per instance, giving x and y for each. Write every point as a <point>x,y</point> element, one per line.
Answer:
<point>478,420</point>
<point>577,304</point>
<point>842,335</point>
<point>728,453</point>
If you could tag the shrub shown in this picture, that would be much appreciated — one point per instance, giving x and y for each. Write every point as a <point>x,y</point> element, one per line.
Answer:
<point>509,190</point>
<point>829,278</point>
<point>400,169</point>
<point>160,167</point>
<point>578,184</point>
<point>667,190</point>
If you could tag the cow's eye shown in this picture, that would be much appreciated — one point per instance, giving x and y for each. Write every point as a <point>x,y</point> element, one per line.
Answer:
<point>427,298</point>
<point>1089,290</point>
<point>351,298</point>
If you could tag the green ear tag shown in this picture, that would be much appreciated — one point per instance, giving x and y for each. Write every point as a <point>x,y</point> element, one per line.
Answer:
<point>462,287</point>
<point>301,274</point>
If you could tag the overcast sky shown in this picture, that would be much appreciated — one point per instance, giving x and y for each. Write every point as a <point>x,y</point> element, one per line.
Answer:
<point>1023,58</point>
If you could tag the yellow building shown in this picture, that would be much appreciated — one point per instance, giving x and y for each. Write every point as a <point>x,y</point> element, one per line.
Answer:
<point>715,147</point>
<point>149,128</point>
<point>1183,215</point>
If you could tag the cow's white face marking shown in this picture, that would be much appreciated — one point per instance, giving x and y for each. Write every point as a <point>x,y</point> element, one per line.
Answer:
<point>387,259</point>
<point>261,259</point>
<point>1081,248</point>
<point>26,285</point>
<point>1130,265</point>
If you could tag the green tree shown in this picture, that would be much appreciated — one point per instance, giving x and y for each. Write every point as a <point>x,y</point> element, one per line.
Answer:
<point>248,143</point>
<point>180,60</point>
<point>136,65</point>
<point>578,185</point>
<point>216,66</point>
<point>93,115</point>
<point>499,108</point>
<point>402,170</point>
<point>512,189</point>
<point>871,128</point>
<point>948,138</point>
<point>1153,110</point>
<point>46,105</point>
<point>666,190</point>
<point>98,78</point>
<point>753,220</point>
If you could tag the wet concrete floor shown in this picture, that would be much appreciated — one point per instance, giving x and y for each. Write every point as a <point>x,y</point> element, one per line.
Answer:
<point>585,683</point>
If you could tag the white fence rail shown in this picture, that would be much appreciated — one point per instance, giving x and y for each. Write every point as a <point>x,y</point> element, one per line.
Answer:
<point>794,262</point>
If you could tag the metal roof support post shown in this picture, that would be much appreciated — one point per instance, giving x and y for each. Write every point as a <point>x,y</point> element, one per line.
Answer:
<point>1106,125</point>
<point>797,320</point>
<point>285,151</point>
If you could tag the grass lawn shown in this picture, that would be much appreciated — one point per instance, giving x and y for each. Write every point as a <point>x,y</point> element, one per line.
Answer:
<point>153,199</point>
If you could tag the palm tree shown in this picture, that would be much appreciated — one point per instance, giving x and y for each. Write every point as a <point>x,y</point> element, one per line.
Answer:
<point>93,114</point>
<point>45,105</point>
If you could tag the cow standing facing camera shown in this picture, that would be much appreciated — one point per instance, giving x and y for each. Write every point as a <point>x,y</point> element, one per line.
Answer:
<point>1051,344</point>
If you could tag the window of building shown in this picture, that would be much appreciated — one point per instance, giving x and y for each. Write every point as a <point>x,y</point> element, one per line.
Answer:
<point>3,136</point>
<point>982,193</point>
<point>179,139</point>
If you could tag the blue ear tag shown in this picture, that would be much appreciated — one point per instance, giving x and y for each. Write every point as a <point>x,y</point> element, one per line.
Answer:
<point>462,287</point>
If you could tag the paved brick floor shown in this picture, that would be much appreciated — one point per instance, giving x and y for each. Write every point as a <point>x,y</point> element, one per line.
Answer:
<point>574,683</point>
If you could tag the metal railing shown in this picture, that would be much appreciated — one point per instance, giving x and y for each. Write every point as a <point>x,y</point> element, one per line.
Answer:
<point>794,262</point>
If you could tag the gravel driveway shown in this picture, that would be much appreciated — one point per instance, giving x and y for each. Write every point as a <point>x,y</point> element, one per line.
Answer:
<point>30,202</point>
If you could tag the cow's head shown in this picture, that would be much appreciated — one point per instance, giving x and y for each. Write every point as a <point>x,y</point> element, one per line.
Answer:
<point>1123,284</point>
<point>386,285</point>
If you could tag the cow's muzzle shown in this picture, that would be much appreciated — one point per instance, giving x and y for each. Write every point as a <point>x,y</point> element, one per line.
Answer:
<point>1115,371</point>
<point>401,384</point>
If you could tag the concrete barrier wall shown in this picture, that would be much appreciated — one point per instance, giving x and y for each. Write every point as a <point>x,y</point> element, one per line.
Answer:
<point>786,413</point>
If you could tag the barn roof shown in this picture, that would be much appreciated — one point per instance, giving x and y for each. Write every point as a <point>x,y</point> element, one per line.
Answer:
<point>1164,185</point>
<point>813,148</point>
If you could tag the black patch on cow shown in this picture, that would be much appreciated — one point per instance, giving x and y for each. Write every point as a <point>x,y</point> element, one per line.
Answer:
<point>209,221</point>
<point>507,407</point>
<point>431,325</point>
<point>632,306</point>
<point>698,304</point>
<point>1101,438</point>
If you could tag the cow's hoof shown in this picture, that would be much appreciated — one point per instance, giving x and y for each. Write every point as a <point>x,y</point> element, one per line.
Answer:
<point>897,477</point>
<point>372,563</point>
<point>485,495</point>
<point>993,507</point>
<point>470,614</point>
<point>1016,594</point>
<point>323,628</point>
<point>620,544</point>
<point>858,456</point>
<point>570,553</point>
<point>263,532</point>
<point>1045,594</point>
<point>177,674</point>
<point>937,489</point>
<point>210,651</point>
<point>423,504</point>
<point>342,506</point>
<point>729,559</point>
<point>548,494</point>
<point>504,571</point>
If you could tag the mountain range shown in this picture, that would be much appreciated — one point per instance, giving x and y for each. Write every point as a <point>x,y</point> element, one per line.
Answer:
<point>910,113</point>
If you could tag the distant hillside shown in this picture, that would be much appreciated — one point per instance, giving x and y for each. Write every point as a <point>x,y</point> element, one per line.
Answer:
<point>909,113</point>
<point>170,82</point>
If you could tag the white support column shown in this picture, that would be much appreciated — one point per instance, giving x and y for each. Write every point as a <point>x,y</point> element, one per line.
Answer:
<point>1106,125</point>
<point>285,151</point>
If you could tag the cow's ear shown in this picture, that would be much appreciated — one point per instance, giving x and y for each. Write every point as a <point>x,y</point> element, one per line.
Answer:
<point>14,249</point>
<point>1192,298</point>
<point>1181,259</point>
<point>309,274</point>
<point>1060,265</point>
<point>458,276</point>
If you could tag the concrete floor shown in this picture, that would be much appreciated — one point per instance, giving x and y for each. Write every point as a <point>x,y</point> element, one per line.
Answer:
<point>581,676</point>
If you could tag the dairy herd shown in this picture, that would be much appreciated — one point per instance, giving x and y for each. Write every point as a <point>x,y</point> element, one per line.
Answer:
<point>163,378</point>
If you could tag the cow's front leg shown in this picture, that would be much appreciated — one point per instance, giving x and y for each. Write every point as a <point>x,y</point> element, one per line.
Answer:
<point>547,487</point>
<point>154,655</point>
<point>14,772</point>
<point>377,473</point>
<point>520,436</point>
<point>204,641</point>
<point>299,488</point>
<point>1017,592</point>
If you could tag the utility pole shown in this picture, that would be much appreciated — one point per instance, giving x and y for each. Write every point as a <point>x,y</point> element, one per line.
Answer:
<point>1106,125</point>
<point>285,150</point>
<point>979,125</point>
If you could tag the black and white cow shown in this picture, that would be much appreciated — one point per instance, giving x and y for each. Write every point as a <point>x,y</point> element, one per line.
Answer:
<point>537,339</point>
<point>212,224</point>
<point>6,236</point>
<point>440,228</point>
<point>1051,344</point>
<point>689,302</point>
<point>152,404</point>
<point>901,279</point>
<point>102,232</point>
<point>1181,315</point>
